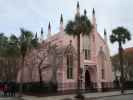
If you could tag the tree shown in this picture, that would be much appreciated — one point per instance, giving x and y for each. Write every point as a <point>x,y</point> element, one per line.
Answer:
<point>3,44</point>
<point>41,56</point>
<point>128,64</point>
<point>9,56</point>
<point>36,59</point>
<point>115,64</point>
<point>11,50</point>
<point>12,57</point>
<point>128,69</point>
<point>43,59</point>
<point>26,44</point>
<point>120,35</point>
<point>54,52</point>
<point>80,25</point>
<point>3,47</point>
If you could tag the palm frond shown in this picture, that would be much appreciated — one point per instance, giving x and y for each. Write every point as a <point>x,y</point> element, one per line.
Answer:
<point>120,34</point>
<point>80,25</point>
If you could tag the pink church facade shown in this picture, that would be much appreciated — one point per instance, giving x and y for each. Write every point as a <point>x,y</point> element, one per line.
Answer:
<point>61,61</point>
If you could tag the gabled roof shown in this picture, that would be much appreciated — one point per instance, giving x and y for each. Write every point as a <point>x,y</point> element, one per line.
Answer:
<point>56,35</point>
<point>101,37</point>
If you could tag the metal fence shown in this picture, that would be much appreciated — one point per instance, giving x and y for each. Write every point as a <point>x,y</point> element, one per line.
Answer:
<point>70,87</point>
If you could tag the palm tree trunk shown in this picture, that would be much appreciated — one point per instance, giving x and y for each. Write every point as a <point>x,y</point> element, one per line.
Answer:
<point>40,71</point>
<point>121,67</point>
<point>78,63</point>
<point>21,77</point>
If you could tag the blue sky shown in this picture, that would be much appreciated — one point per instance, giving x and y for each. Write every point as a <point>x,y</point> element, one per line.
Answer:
<point>34,14</point>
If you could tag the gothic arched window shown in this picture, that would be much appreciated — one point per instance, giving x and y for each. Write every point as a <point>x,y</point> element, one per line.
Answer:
<point>103,73</point>
<point>102,59</point>
<point>86,47</point>
<point>69,65</point>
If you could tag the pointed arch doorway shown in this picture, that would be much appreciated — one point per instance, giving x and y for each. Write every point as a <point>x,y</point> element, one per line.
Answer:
<point>87,79</point>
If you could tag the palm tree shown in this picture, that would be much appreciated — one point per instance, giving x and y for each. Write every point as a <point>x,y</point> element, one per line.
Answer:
<point>80,25</point>
<point>9,55</point>
<point>13,46</point>
<point>12,56</point>
<point>3,44</point>
<point>120,35</point>
<point>26,42</point>
<point>3,62</point>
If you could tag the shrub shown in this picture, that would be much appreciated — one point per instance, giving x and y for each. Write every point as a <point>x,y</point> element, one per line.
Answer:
<point>37,87</point>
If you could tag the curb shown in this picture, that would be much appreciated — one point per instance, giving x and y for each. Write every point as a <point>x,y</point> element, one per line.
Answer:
<point>11,98</point>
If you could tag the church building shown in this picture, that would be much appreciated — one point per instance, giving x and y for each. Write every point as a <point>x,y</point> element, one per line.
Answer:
<point>58,54</point>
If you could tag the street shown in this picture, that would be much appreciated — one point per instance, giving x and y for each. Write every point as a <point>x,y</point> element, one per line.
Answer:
<point>122,97</point>
<point>10,98</point>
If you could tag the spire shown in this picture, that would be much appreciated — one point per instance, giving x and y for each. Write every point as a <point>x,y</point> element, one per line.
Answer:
<point>41,39</point>
<point>49,30</point>
<point>61,19</point>
<point>85,12</point>
<point>78,5</point>
<point>94,20</point>
<point>78,9</point>
<point>41,31</point>
<point>105,35</point>
<point>36,35</point>
<point>49,26</point>
<point>61,24</point>
<point>93,11</point>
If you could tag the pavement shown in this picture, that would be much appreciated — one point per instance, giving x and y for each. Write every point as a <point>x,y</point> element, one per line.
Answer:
<point>71,96</point>
<point>88,96</point>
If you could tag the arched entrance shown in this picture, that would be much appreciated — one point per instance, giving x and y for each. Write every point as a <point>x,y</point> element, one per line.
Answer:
<point>87,80</point>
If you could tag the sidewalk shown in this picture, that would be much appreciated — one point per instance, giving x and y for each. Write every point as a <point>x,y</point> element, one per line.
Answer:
<point>87,95</point>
